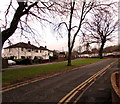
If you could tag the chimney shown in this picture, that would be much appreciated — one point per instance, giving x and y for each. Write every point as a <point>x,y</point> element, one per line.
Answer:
<point>45,46</point>
<point>28,42</point>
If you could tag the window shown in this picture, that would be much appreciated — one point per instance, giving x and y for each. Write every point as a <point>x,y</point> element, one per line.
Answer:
<point>29,57</point>
<point>36,51</point>
<point>9,49</point>
<point>40,51</point>
<point>21,49</point>
<point>29,50</point>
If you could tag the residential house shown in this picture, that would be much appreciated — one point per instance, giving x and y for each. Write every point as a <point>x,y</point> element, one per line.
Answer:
<point>61,55</point>
<point>85,54</point>
<point>25,50</point>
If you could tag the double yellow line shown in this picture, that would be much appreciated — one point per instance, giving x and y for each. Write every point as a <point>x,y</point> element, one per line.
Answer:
<point>72,93</point>
<point>25,83</point>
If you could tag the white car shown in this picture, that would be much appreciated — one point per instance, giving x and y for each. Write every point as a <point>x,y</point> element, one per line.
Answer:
<point>11,62</point>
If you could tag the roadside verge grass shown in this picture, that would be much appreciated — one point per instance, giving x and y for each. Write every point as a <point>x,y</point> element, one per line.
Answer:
<point>19,74</point>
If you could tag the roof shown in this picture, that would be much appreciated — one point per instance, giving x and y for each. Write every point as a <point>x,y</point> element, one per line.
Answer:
<point>27,45</point>
<point>86,52</point>
<point>42,48</point>
<point>62,53</point>
<point>22,45</point>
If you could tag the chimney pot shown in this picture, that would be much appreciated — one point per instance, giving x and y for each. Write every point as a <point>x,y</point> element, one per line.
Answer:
<point>28,42</point>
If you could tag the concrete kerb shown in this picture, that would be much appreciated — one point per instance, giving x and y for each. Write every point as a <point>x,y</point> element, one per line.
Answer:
<point>115,88</point>
<point>10,87</point>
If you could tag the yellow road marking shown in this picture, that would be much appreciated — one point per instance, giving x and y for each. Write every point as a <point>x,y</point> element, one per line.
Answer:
<point>72,93</point>
<point>88,80</point>
<point>85,90</point>
<point>79,89</point>
<point>25,83</point>
<point>82,93</point>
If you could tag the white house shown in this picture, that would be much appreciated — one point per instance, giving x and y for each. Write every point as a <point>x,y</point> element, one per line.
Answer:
<point>21,50</point>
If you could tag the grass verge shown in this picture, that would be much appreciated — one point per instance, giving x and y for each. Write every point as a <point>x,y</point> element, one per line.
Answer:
<point>20,74</point>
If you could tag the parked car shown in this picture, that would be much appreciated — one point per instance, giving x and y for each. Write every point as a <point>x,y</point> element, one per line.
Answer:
<point>11,62</point>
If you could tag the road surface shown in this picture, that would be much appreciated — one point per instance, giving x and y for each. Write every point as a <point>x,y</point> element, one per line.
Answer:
<point>56,88</point>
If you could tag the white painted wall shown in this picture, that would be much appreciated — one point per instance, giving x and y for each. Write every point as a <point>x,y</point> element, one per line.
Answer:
<point>50,53</point>
<point>18,52</point>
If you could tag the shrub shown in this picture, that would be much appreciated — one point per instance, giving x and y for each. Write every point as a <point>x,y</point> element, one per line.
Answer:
<point>11,58</point>
<point>22,57</point>
<point>26,61</point>
<point>36,60</point>
<point>52,58</point>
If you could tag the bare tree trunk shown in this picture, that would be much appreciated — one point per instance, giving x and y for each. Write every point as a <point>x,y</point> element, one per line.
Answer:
<point>69,34</point>
<point>20,11</point>
<point>69,58</point>
<point>13,26</point>
<point>69,50</point>
<point>101,51</point>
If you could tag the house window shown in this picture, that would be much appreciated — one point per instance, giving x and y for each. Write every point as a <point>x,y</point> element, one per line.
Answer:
<point>9,49</point>
<point>36,51</point>
<point>29,57</point>
<point>29,50</point>
<point>21,49</point>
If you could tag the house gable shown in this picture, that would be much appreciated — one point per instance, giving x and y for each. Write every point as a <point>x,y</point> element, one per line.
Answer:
<point>26,50</point>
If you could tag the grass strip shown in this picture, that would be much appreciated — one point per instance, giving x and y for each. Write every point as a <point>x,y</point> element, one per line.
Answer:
<point>12,75</point>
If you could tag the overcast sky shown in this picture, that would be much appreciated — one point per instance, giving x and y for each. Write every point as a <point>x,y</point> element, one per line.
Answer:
<point>47,36</point>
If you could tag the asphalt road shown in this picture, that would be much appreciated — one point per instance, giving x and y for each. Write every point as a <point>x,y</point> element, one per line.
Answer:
<point>101,90</point>
<point>55,88</point>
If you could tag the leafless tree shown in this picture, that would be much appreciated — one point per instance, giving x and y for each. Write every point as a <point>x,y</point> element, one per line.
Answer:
<point>35,9</point>
<point>101,26</point>
<point>78,10</point>
<point>26,11</point>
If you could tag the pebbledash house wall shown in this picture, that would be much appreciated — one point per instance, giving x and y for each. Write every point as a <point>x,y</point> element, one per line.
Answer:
<point>31,53</point>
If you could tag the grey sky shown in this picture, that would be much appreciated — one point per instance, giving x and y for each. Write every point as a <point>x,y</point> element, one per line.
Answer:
<point>47,36</point>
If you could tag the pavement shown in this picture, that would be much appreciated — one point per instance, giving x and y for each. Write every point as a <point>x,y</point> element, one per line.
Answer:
<point>53,89</point>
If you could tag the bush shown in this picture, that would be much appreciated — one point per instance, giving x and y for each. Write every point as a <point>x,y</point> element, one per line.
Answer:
<point>22,57</point>
<point>45,61</point>
<point>36,60</point>
<point>52,58</point>
<point>26,61</point>
<point>11,58</point>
